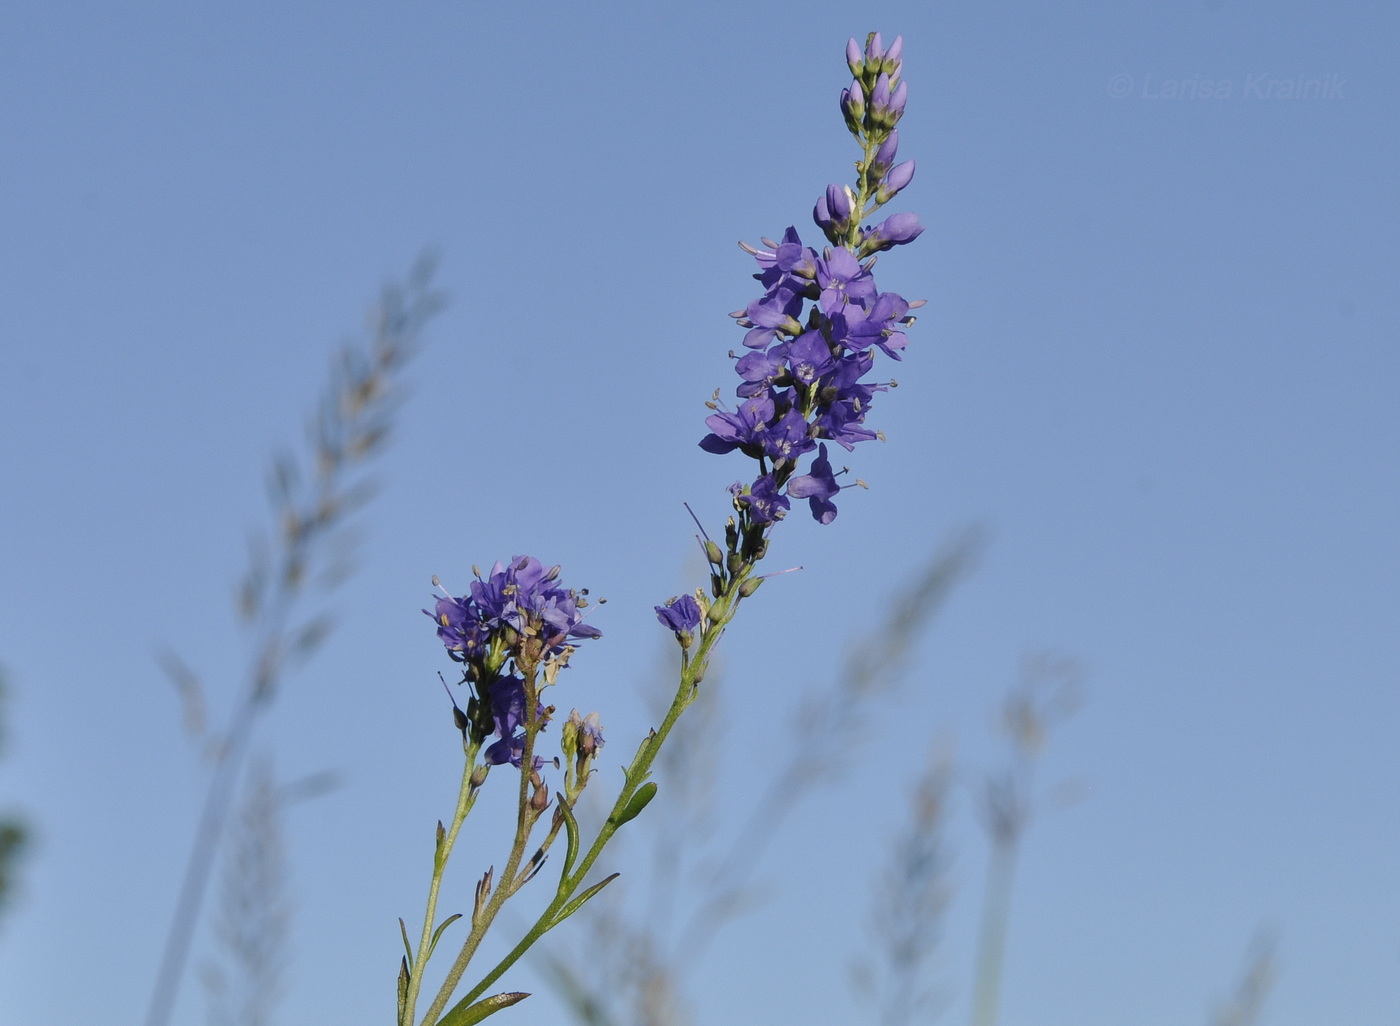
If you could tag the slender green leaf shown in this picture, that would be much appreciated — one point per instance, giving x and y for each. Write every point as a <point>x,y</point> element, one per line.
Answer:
<point>438,932</point>
<point>571,836</point>
<point>407,947</point>
<point>578,902</point>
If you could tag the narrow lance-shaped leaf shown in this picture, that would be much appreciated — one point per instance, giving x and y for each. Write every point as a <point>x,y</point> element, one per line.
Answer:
<point>438,932</point>
<point>486,1006</point>
<point>578,902</point>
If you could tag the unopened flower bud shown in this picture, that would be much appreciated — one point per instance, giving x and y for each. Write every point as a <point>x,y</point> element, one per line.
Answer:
<point>895,230</point>
<point>880,95</point>
<point>874,48</point>
<point>568,735</point>
<point>539,800</point>
<point>900,175</point>
<point>901,94</point>
<point>853,106</point>
<point>884,156</point>
<point>854,58</point>
<point>838,203</point>
<point>714,553</point>
<point>749,587</point>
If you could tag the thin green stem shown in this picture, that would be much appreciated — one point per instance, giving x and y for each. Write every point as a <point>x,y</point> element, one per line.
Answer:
<point>466,798</point>
<point>507,885</point>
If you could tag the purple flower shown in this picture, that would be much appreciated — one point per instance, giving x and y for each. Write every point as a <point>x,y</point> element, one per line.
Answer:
<point>881,326</point>
<point>787,438</point>
<point>681,615</point>
<point>817,488</point>
<point>842,280</point>
<point>762,499</point>
<point>483,627</point>
<point>760,370</point>
<point>741,429</point>
<point>841,422</point>
<point>810,357</point>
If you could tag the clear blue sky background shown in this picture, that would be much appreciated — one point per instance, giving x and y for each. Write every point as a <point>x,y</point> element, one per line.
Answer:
<point>1159,361</point>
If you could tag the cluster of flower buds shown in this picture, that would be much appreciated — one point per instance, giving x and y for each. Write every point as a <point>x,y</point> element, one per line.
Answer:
<point>582,737</point>
<point>513,624</point>
<point>803,380</point>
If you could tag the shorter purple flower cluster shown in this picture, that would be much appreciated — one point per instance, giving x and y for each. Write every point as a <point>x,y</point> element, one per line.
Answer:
<point>804,379</point>
<point>514,619</point>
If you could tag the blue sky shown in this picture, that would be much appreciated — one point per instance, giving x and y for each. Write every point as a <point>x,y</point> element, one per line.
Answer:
<point>1158,362</point>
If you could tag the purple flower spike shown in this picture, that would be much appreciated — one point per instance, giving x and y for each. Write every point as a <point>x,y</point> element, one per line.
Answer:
<point>817,488</point>
<point>681,615</point>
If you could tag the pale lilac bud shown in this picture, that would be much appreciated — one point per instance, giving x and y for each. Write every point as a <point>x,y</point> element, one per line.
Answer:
<point>896,51</point>
<point>880,95</point>
<point>853,105</point>
<point>901,94</point>
<point>895,230</point>
<point>874,48</point>
<point>884,156</point>
<point>900,175</point>
<point>854,58</point>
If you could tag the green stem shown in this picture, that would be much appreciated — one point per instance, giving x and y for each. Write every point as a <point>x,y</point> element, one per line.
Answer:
<point>466,798</point>
<point>692,672</point>
<point>507,883</point>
